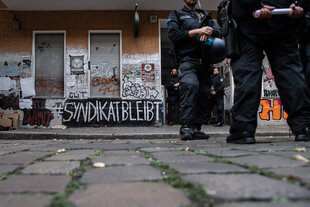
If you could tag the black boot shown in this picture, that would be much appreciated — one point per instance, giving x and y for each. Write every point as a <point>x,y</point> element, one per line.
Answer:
<point>200,135</point>
<point>186,133</point>
<point>241,138</point>
<point>304,135</point>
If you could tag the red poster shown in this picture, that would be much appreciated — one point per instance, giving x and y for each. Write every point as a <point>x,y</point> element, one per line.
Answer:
<point>148,72</point>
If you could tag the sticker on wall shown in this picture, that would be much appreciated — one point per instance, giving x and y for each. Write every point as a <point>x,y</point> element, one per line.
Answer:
<point>148,72</point>
<point>77,65</point>
<point>26,62</point>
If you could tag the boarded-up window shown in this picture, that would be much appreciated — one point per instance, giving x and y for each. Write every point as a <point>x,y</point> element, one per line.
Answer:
<point>49,65</point>
<point>105,65</point>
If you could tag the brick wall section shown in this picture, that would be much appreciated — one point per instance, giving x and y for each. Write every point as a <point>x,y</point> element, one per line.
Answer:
<point>77,24</point>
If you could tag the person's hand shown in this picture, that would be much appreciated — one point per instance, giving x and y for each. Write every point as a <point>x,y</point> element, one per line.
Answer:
<point>264,13</point>
<point>296,12</point>
<point>176,85</point>
<point>213,92</point>
<point>205,33</point>
<point>204,38</point>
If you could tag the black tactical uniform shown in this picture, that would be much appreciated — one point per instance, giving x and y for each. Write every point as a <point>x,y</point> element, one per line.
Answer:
<point>304,38</point>
<point>173,97</point>
<point>218,85</point>
<point>194,73</point>
<point>275,36</point>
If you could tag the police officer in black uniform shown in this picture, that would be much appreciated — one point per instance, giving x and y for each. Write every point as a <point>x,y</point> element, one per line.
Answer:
<point>304,38</point>
<point>189,29</point>
<point>172,87</point>
<point>217,97</point>
<point>275,34</point>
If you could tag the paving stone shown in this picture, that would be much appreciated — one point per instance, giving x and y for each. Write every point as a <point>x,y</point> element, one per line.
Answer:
<point>264,204</point>
<point>266,161</point>
<point>300,173</point>
<point>245,186</point>
<point>52,167</point>
<point>4,152</point>
<point>173,153</point>
<point>160,149</point>
<point>129,195</point>
<point>122,158</point>
<point>73,155</point>
<point>291,154</point>
<point>227,153</point>
<point>206,167</point>
<point>22,157</point>
<point>121,174</point>
<point>272,147</point>
<point>35,183</point>
<point>7,168</point>
<point>108,146</point>
<point>180,157</point>
<point>25,200</point>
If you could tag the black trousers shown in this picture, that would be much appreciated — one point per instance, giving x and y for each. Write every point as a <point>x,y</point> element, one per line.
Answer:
<point>173,101</point>
<point>284,58</point>
<point>195,84</point>
<point>305,58</point>
<point>218,101</point>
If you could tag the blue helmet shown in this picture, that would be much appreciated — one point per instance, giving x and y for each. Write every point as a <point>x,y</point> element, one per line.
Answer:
<point>215,51</point>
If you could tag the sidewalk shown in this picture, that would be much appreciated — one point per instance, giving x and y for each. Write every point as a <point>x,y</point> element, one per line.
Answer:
<point>154,172</point>
<point>143,132</point>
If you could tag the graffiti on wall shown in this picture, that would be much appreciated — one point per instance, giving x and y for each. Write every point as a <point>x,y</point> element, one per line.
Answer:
<point>46,86</point>
<point>270,89</point>
<point>77,94</point>
<point>136,90</point>
<point>38,116</point>
<point>271,110</point>
<point>9,102</point>
<point>111,112</point>
<point>106,86</point>
<point>58,109</point>
<point>132,70</point>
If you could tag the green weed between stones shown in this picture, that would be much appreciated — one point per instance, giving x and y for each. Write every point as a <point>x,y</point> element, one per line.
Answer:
<point>4,176</point>
<point>60,199</point>
<point>194,192</point>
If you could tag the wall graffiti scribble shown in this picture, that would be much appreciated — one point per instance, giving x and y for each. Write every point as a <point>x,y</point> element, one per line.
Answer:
<point>103,112</point>
<point>48,87</point>
<point>136,90</point>
<point>274,107</point>
<point>38,115</point>
<point>10,102</point>
<point>108,86</point>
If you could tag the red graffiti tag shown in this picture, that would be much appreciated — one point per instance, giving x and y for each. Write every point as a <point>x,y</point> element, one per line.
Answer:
<point>107,85</point>
<point>47,86</point>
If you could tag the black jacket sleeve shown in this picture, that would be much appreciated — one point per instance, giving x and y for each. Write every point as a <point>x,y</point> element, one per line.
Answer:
<point>169,84</point>
<point>175,34</point>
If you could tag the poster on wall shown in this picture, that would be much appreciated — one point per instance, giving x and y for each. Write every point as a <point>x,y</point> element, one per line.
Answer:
<point>26,62</point>
<point>77,65</point>
<point>148,72</point>
<point>27,87</point>
<point>270,89</point>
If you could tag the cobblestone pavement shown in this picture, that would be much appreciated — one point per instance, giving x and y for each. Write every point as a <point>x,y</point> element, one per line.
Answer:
<point>154,173</point>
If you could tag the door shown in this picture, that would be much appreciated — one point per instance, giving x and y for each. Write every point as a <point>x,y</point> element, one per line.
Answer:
<point>49,65</point>
<point>105,65</point>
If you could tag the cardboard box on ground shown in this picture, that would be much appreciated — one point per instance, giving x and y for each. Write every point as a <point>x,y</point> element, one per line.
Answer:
<point>9,120</point>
